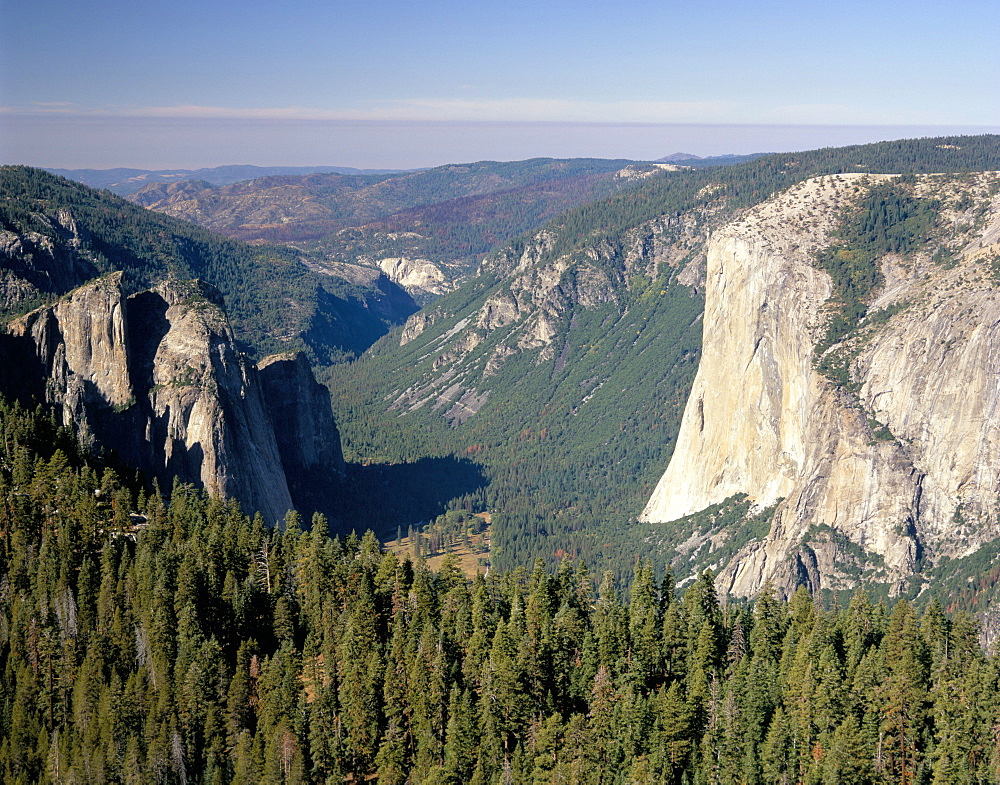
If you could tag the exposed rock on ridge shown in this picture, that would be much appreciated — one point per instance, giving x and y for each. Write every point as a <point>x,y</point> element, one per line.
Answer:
<point>417,276</point>
<point>33,265</point>
<point>761,420</point>
<point>529,310</point>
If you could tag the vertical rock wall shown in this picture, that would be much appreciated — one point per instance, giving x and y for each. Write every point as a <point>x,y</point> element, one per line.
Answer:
<point>157,378</point>
<point>307,436</point>
<point>760,420</point>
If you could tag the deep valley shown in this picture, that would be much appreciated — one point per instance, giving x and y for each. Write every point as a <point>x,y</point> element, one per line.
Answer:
<point>543,471</point>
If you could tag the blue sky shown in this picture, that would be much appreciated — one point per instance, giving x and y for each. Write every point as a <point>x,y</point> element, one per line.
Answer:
<point>390,84</point>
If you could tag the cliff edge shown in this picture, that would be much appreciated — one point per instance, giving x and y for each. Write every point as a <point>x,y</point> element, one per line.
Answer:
<point>892,464</point>
<point>156,377</point>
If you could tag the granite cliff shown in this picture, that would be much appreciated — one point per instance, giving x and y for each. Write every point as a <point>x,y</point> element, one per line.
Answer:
<point>157,378</point>
<point>894,464</point>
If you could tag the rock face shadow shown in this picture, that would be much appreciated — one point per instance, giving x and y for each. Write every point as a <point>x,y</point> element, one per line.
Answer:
<point>147,326</point>
<point>381,497</point>
<point>22,373</point>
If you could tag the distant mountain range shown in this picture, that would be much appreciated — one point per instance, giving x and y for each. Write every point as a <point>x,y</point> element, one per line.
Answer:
<point>428,230</point>
<point>127,181</point>
<point>688,159</point>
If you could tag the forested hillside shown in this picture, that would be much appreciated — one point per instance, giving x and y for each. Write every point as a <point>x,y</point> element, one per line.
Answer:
<point>142,642</point>
<point>57,234</point>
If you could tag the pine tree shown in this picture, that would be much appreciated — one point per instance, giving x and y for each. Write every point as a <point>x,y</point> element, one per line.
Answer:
<point>904,694</point>
<point>673,735</point>
<point>361,668</point>
<point>460,738</point>
<point>779,758</point>
<point>849,760</point>
<point>644,628</point>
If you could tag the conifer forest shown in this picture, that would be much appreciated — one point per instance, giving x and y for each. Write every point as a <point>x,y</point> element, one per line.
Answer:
<point>143,642</point>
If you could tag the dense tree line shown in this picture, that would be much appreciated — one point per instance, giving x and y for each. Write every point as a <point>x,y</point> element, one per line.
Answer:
<point>151,641</point>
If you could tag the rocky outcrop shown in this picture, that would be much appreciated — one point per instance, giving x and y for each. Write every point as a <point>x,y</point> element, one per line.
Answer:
<point>417,276</point>
<point>207,402</point>
<point>900,465</point>
<point>33,265</point>
<point>415,326</point>
<point>156,377</point>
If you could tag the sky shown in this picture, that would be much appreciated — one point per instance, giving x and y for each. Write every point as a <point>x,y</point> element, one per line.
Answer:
<point>391,84</point>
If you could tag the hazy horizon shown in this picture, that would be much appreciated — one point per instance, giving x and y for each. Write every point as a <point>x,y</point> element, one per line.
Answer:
<point>60,141</point>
